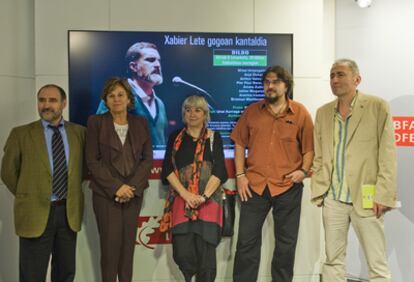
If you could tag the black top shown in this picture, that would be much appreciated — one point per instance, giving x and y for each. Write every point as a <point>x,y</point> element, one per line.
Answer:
<point>209,229</point>
<point>185,155</point>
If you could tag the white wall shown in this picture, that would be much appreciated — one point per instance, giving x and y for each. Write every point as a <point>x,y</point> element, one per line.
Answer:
<point>311,22</point>
<point>17,106</point>
<point>381,40</point>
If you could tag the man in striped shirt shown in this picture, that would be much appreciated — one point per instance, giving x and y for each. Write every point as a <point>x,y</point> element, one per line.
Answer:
<point>354,172</point>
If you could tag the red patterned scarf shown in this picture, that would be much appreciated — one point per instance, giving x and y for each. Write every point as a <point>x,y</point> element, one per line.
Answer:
<point>192,214</point>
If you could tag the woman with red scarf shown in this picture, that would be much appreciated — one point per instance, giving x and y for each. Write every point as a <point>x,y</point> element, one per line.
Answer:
<point>194,167</point>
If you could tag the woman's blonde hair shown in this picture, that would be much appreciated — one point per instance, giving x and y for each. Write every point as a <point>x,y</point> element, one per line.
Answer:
<point>196,101</point>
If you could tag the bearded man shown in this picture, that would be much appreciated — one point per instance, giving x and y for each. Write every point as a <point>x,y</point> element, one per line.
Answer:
<point>144,70</point>
<point>278,133</point>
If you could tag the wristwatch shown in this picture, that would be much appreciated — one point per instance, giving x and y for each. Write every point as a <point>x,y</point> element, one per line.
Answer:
<point>304,172</point>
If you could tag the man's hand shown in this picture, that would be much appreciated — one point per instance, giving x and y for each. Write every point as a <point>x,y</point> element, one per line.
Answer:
<point>380,210</point>
<point>243,188</point>
<point>297,176</point>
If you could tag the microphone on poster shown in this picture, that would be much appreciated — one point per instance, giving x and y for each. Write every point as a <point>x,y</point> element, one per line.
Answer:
<point>177,79</point>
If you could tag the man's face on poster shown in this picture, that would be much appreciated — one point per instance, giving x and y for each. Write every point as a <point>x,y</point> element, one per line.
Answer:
<point>148,66</point>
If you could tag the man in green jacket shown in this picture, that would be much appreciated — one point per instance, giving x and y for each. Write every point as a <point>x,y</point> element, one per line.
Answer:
<point>42,167</point>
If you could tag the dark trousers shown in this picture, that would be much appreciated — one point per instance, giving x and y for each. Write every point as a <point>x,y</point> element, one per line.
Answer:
<point>117,226</point>
<point>194,256</point>
<point>57,240</point>
<point>286,216</point>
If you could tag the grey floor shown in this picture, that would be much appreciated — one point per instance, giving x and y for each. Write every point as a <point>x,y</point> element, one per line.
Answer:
<point>350,280</point>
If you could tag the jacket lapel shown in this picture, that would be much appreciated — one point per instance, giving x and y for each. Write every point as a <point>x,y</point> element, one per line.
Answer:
<point>39,142</point>
<point>357,113</point>
<point>108,134</point>
<point>133,133</point>
<point>111,139</point>
<point>330,128</point>
<point>70,134</point>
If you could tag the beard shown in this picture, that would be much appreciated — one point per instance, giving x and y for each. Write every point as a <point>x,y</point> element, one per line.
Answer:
<point>155,78</point>
<point>272,100</point>
<point>50,114</point>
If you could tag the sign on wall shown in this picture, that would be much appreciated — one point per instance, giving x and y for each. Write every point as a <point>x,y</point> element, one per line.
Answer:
<point>225,68</point>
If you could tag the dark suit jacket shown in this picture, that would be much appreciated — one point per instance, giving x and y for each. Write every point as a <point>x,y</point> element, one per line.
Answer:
<point>27,174</point>
<point>103,147</point>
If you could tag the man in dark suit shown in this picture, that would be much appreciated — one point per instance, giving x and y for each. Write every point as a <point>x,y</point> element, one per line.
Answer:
<point>42,167</point>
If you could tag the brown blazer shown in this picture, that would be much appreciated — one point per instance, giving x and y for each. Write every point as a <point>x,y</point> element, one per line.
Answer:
<point>103,147</point>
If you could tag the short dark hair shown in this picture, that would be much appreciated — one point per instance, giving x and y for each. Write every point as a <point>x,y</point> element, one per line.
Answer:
<point>51,85</point>
<point>113,82</point>
<point>134,53</point>
<point>282,74</point>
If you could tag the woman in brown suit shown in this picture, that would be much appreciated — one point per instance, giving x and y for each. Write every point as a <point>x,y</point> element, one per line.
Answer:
<point>119,158</point>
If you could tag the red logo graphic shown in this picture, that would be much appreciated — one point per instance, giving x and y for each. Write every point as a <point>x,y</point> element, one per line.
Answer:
<point>404,130</point>
<point>156,169</point>
<point>149,233</point>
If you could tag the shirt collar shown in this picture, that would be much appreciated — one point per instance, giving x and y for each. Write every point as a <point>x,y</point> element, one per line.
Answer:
<point>290,109</point>
<point>352,102</point>
<point>141,94</point>
<point>46,123</point>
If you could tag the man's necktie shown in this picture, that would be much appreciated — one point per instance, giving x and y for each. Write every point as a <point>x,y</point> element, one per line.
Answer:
<point>60,170</point>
